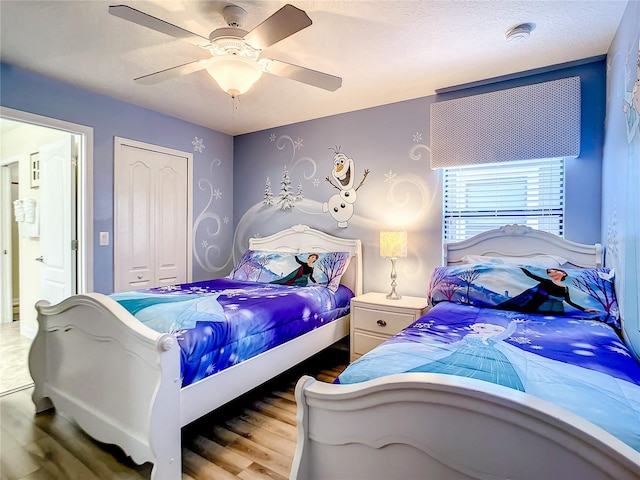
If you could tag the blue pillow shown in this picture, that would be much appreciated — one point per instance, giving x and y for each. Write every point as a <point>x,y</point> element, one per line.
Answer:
<point>579,293</point>
<point>300,269</point>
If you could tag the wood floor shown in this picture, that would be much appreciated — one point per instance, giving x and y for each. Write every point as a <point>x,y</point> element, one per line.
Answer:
<point>251,438</point>
<point>14,351</point>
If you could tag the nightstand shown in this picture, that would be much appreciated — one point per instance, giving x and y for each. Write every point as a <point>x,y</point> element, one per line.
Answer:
<point>374,319</point>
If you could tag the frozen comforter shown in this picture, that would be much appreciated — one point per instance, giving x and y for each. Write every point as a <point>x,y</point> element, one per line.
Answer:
<point>219,323</point>
<point>580,365</point>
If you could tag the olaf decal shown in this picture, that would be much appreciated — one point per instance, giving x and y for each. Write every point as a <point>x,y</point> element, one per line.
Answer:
<point>340,206</point>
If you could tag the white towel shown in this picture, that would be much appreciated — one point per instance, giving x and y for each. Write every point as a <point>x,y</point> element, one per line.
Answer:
<point>18,210</point>
<point>30,207</point>
<point>30,227</point>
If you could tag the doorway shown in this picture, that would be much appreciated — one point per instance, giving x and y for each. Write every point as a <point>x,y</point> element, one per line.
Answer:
<point>20,150</point>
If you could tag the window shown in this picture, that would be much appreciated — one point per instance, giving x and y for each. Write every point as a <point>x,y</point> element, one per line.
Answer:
<point>482,197</point>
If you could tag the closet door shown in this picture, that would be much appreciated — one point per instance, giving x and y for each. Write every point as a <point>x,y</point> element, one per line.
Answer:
<point>151,218</point>
<point>170,213</point>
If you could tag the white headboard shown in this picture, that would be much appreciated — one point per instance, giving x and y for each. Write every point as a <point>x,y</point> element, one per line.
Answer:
<point>523,241</point>
<point>302,238</point>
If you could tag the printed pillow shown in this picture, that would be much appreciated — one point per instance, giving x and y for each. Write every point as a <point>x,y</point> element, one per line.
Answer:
<point>301,269</point>
<point>543,261</point>
<point>579,293</point>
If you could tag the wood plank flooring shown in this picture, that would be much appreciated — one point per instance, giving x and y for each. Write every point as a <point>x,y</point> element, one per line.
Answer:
<point>251,438</point>
<point>14,352</point>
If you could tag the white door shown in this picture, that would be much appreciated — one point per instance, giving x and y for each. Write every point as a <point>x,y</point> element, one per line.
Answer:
<point>151,216</point>
<point>57,207</point>
<point>7,244</point>
<point>171,221</point>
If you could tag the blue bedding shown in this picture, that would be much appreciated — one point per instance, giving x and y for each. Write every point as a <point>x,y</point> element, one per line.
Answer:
<point>219,323</point>
<point>580,365</point>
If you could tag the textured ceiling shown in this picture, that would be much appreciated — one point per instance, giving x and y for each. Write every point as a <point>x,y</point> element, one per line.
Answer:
<point>385,51</point>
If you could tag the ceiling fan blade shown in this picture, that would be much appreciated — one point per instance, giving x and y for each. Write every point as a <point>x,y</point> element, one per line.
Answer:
<point>172,72</point>
<point>304,75</point>
<point>141,18</point>
<point>285,22</point>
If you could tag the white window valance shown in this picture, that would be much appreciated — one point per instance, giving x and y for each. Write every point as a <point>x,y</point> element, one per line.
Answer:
<point>534,121</point>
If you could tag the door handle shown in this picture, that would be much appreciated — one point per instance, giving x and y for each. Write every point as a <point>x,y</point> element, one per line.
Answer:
<point>40,259</point>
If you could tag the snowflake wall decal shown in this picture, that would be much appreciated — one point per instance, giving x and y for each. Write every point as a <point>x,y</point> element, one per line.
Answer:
<point>417,137</point>
<point>297,145</point>
<point>316,182</point>
<point>272,137</point>
<point>217,194</point>
<point>204,244</point>
<point>225,220</point>
<point>390,177</point>
<point>198,144</point>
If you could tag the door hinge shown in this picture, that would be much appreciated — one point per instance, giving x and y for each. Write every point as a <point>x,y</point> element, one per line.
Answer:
<point>74,244</point>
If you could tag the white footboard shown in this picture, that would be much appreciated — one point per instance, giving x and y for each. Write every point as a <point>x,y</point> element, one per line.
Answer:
<point>118,379</point>
<point>423,425</point>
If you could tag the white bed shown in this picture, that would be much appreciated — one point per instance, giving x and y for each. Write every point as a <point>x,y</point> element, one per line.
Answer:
<point>431,425</point>
<point>131,400</point>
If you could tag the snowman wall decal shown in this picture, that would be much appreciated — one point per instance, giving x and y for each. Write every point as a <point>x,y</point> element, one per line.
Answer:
<point>340,206</point>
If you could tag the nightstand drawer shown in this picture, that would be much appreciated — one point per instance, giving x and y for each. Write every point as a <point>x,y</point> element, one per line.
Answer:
<point>363,342</point>
<point>381,322</point>
<point>375,318</point>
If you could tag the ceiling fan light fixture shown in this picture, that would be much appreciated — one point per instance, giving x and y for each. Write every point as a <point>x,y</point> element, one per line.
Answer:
<point>236,62</point>
<point>234,74</point>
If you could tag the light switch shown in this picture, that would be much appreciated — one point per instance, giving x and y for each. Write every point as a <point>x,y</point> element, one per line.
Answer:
<point>104,238</point>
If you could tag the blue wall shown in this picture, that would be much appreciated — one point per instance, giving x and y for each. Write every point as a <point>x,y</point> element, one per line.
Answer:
<point>213,170</point>
<point>390,141</point>
<point>401,191</point>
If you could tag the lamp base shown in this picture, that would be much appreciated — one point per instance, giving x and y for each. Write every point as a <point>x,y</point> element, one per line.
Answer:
<point>394,296</point>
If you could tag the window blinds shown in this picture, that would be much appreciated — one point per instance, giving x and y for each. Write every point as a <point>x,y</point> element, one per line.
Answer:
<point>534,121</point>
<point>480,198</point>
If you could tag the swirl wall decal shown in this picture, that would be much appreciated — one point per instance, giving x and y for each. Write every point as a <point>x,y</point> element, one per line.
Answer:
<point>208,224</point>
<point>415,151</point>
<point>285,141</point>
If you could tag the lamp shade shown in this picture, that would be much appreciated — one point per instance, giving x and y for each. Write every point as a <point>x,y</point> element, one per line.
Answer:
<point>393,244</point>
<point>234,74</point>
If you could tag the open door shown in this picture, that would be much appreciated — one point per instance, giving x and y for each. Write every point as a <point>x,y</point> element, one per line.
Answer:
<point>8,248</point>
<point>58,220</point>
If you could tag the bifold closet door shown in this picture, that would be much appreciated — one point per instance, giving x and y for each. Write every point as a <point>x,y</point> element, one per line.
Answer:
<point>150,218</point>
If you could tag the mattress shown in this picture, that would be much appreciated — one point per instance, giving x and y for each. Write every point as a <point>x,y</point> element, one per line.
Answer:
<point>222,322</point>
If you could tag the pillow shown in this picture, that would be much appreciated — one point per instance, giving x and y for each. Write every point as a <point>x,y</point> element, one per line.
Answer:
<point>579,293</point>
<point>544,261</point>
<point>299,269</point>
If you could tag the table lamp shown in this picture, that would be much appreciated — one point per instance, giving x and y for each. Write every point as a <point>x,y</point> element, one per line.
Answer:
<point>393,245</point>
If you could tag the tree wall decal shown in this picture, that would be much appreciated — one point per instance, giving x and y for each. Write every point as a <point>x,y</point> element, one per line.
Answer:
<point>286,200</point>
<point>268,194</point>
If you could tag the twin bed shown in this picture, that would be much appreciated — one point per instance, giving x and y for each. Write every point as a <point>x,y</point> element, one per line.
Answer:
<point>480,387</point>
<point>518,371</point>
<point>136,381</point>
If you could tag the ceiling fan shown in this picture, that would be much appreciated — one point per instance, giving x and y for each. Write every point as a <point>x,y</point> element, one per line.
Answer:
<point>236,61</point>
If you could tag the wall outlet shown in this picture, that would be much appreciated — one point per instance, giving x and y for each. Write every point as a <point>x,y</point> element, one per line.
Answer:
<point>104,238</point>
